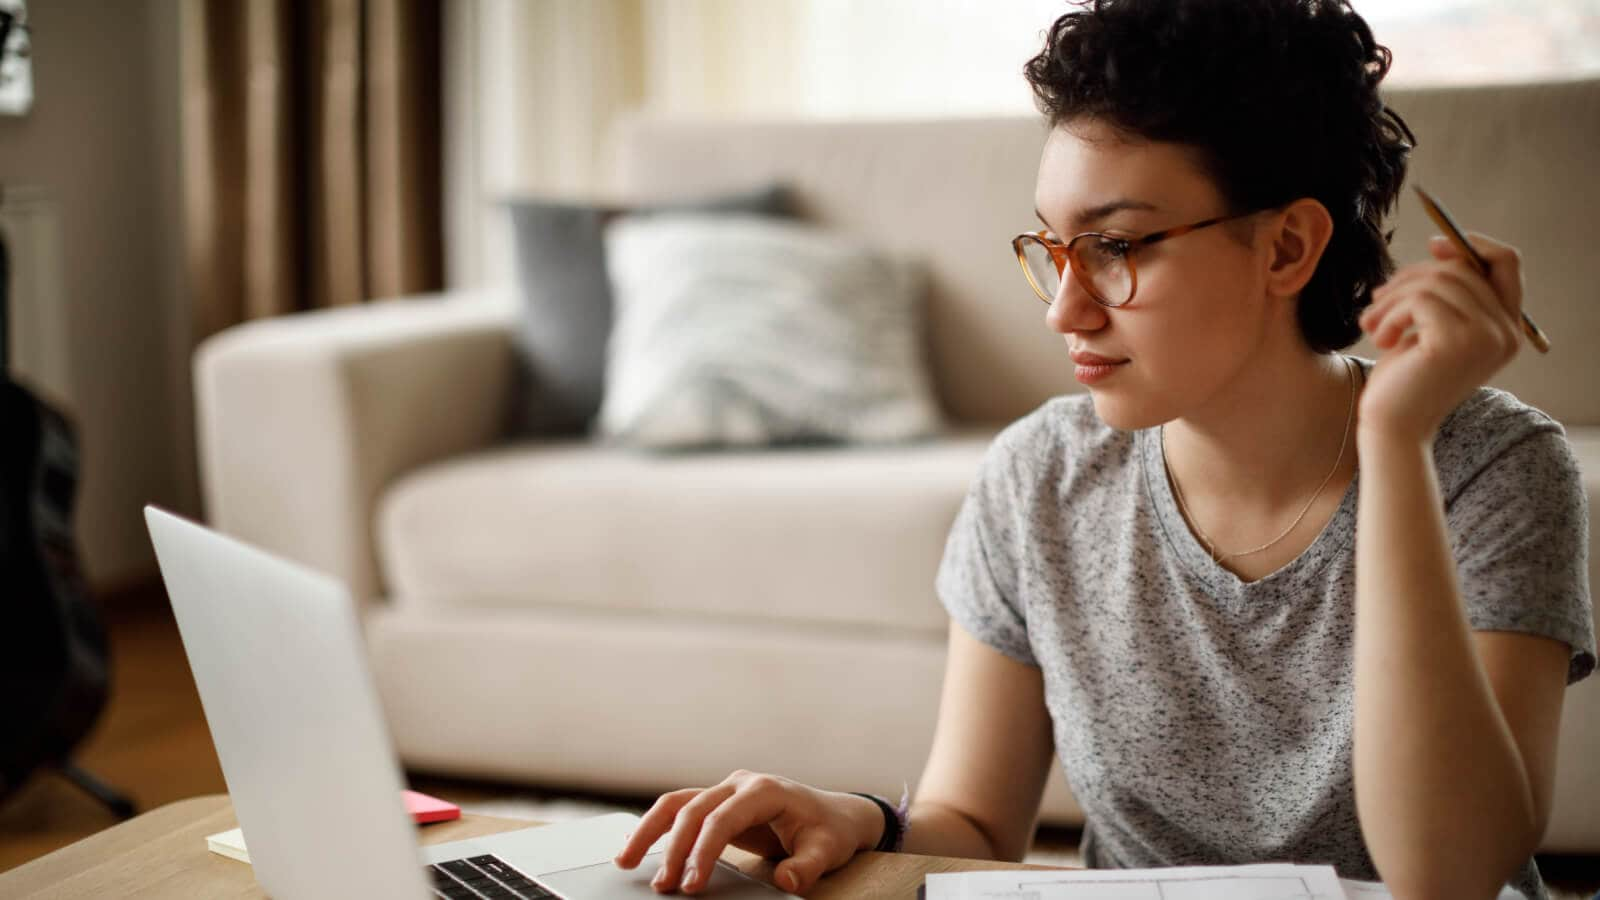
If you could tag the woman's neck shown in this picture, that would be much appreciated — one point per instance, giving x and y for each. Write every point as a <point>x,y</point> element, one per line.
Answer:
<point>1264,442</point>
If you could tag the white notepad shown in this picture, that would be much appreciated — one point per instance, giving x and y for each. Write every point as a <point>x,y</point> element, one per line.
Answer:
<point>1274,881</point>
<point>1269,881</point>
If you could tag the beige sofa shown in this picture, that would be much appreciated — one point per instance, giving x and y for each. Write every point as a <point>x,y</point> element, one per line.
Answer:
<point>556,612</point>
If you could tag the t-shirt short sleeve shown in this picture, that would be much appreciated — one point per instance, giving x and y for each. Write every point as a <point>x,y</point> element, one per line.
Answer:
<point>1519,531</point>
<point>977,580</point>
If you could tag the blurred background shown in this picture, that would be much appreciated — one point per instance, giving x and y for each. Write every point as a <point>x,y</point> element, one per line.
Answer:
<point>136,112</point>
<point>524,93</point>
<point>175,167</point>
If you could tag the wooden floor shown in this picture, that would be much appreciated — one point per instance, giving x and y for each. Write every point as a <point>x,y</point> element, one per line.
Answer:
<point>152,743</point>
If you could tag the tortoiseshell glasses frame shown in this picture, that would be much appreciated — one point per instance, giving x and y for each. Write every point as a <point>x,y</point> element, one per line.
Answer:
<point>1107,247</point>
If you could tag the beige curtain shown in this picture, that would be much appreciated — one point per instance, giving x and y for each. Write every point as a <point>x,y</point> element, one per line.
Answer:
<point>311,152</point>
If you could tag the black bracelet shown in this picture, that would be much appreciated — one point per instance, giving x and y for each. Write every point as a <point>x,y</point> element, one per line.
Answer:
<point>890,842</point>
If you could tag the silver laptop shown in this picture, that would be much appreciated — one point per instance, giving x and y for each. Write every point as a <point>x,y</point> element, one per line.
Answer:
<point>277,655</point>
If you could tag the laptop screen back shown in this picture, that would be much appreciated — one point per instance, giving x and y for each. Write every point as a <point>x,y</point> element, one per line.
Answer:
<point>277,655</point>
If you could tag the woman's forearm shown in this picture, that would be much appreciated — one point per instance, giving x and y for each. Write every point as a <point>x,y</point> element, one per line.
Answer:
<point>1443,796</point>
<point>937,830</point>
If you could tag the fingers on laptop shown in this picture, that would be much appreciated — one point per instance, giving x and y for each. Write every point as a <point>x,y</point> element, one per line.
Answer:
<point>761,813</point>
<point>706,826</point>
<point>653,824</point>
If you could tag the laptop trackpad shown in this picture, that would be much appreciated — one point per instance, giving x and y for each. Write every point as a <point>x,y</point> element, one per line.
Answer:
<point>606,880</point>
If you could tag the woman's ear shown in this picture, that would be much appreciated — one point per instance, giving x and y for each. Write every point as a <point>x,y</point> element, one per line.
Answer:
<point>1300,233</point>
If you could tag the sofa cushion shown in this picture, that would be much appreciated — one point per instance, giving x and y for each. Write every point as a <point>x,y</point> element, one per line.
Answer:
<point>566,316</point>
<point>744,331</point>
<point>821,537</point>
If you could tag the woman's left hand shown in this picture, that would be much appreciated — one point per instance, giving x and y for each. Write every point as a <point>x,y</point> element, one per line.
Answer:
<point>1442,331</point>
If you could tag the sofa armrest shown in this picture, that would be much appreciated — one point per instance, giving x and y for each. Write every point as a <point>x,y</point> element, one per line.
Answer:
<point>303,419</point>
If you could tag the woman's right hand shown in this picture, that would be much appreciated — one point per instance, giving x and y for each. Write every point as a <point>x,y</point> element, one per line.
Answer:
<point>812,831</point>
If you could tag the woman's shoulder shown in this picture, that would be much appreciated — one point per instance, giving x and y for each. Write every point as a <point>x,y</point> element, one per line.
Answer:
<point>1484,428</point>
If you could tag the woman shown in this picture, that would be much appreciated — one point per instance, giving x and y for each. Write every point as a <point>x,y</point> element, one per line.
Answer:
<point>1266,602</point>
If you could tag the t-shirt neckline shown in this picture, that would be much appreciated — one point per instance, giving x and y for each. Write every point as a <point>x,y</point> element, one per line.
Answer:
<point>1330,544</point>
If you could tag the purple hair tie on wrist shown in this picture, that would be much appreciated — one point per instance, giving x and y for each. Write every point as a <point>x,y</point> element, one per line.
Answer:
<point>896,820</point>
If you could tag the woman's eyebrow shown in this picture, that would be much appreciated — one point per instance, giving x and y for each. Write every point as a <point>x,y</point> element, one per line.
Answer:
<point>1087,217</point>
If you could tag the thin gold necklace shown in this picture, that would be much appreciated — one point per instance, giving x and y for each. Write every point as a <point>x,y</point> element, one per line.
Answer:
<point>1211,547</point>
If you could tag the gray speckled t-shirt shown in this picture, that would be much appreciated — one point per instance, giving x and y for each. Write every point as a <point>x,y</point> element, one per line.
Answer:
<point>1202,719</point>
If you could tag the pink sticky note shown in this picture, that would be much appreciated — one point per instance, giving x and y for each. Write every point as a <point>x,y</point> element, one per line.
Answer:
<point>430,809</point>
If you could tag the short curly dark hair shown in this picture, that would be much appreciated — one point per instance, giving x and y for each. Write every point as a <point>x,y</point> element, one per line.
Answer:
<point>1278,97</point>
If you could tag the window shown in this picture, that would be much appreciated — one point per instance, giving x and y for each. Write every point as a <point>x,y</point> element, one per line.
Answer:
<point>1477,41</point>
<point>964,57</point>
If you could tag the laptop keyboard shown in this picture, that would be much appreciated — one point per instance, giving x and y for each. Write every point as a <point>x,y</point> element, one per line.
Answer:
<point>483,876</point>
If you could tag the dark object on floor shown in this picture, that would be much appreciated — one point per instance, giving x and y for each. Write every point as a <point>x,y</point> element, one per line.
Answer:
<point>53,650</point>
<point>1569,874</point>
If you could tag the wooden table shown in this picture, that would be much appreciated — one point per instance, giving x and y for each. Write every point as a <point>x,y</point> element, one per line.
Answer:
<point>163,854</point>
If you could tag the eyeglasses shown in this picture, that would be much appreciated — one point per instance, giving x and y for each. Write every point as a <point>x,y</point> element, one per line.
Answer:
<point>1102,262</point>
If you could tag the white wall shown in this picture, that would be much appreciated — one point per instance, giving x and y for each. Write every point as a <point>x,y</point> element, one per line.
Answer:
<point>102,143</point>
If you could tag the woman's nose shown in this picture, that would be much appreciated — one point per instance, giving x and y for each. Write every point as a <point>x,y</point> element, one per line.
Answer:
<point>1073,309</point>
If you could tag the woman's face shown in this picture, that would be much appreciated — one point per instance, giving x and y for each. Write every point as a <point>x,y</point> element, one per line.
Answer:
<point>1201,308</point>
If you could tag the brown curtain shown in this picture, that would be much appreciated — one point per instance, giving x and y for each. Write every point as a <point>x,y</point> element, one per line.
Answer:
<point>311,153</point>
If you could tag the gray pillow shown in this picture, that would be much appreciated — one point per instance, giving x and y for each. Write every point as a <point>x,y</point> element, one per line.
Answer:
<point>567,305</point>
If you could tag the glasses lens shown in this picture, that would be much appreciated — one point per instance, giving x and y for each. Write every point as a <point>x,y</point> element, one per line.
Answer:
<point>1041,270</point>
<point>1105,267</point>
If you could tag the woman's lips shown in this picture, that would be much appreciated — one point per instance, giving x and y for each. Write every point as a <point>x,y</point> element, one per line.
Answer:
<point>1085,358</point>
<point>1093,373</point>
